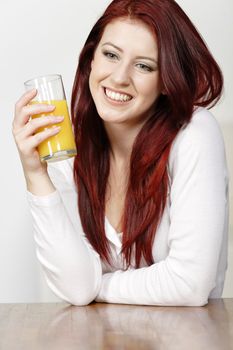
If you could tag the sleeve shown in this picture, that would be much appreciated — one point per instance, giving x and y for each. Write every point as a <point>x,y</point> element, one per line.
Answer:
<point>71,266</point>
<point>198,205</point>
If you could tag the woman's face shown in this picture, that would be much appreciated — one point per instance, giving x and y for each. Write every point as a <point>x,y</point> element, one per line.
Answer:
<point>124,79</point>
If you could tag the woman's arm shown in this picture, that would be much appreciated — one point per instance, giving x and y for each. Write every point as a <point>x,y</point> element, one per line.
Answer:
<point>198,213</point>
<point>72,268</point>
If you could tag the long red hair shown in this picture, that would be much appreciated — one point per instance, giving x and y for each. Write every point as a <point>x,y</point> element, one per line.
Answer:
<point>190,77</point>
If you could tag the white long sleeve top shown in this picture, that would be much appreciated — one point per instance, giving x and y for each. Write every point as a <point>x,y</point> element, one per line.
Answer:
<point>190,245</point>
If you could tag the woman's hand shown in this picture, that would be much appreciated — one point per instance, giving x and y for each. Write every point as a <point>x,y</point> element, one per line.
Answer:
<point>27,138</point>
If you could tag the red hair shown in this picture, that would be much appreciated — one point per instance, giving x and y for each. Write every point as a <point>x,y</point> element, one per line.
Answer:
<point>190,77</point>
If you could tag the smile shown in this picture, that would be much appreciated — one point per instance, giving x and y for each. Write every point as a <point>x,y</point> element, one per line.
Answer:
<point>117,96</point>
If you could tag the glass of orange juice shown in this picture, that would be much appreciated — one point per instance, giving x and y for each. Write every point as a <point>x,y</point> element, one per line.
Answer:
<point>50,90</point>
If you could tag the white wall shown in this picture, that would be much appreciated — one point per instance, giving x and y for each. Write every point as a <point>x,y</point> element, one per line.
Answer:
<point>40,37</point>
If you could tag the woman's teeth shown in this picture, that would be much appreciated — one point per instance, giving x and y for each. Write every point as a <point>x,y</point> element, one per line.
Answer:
<point>116,96</point>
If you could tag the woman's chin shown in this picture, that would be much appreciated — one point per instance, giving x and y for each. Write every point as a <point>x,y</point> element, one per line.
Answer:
<point>111,119</point>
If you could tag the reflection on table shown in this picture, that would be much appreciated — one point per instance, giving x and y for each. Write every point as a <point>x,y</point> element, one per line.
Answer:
<point>108,326</point>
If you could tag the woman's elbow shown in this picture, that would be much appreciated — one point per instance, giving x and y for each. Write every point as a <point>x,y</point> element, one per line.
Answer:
<point>79,298</point>
<point>79,295</point>
<point>195,296</point>
<point>197,300</point>
<point>80,301</point>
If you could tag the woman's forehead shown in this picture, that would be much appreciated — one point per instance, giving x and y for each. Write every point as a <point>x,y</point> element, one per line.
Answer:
<point>133,35</point>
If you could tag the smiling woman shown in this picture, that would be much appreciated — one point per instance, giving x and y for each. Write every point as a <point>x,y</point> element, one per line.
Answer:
<point>141,215</point>
<point>123,84</point>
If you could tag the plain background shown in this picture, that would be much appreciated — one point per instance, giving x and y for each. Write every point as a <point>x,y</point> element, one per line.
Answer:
<point>43,37</point>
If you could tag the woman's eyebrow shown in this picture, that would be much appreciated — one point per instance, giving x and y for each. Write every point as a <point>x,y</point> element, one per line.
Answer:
<point>138,57</point>
<point>111,44</point>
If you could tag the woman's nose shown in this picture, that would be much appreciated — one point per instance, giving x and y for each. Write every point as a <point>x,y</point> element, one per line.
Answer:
<point>121,74</point>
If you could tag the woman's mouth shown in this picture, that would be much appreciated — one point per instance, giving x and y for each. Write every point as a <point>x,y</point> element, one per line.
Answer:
<point>117,96</point>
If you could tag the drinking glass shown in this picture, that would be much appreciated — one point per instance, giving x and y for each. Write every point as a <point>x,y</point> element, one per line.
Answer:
<point>50,90</point>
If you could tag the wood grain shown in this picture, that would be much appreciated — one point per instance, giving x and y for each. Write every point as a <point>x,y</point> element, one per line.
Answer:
<point>107,326</point>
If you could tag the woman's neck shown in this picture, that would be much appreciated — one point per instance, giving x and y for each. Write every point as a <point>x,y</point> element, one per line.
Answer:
<point>121,138</point>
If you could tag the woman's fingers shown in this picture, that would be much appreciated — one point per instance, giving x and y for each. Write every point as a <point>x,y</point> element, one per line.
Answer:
<point>24,100</point>
<point>23,111</point>
<point>29,128</point>
<point>29,144</point>
<point>26,112</point>
<point>34,124</point>
<point>39,108</point>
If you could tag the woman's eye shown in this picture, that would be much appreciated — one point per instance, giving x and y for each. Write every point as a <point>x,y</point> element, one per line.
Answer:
<point>144,67</point>
<point>110,55</point>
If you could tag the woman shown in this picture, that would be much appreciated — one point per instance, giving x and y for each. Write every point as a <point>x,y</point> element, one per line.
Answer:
<point>150,222</point>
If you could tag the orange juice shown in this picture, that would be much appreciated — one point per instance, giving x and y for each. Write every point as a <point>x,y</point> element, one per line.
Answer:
<point>61,145</point>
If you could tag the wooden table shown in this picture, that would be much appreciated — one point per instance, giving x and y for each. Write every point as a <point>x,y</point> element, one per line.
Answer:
<point>107,326</point>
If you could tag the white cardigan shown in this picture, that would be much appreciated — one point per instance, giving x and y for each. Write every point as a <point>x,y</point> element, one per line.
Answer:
<point>190,246</point>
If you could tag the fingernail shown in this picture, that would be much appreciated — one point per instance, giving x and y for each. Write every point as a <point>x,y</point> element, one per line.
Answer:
<point>54,129</point>
<point>59,117</point>
<point>50,107</point>
<point>33,90</point>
